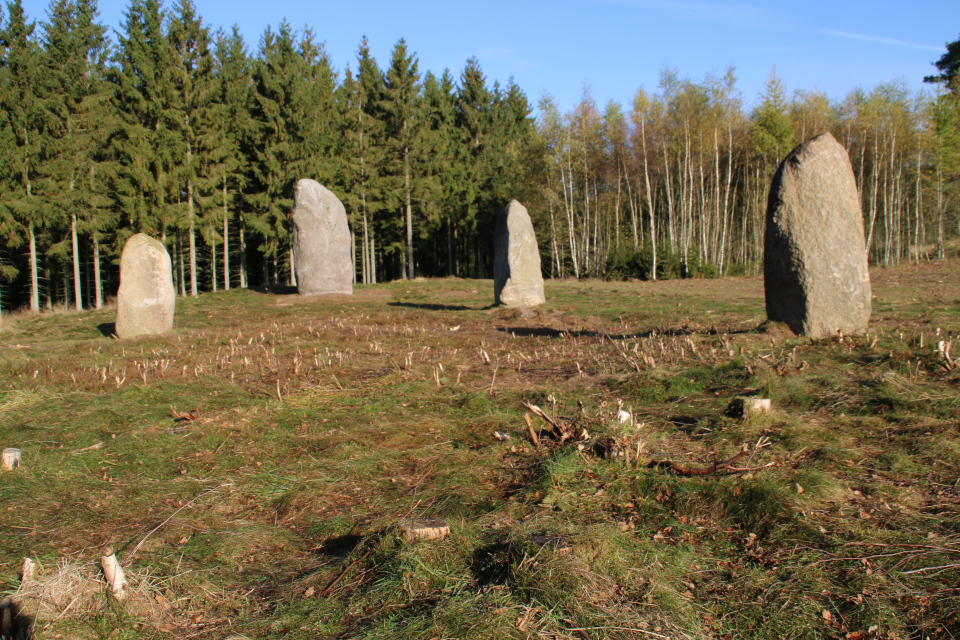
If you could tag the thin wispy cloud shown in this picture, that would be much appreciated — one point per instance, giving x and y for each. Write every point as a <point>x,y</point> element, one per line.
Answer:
<point>878,40</point>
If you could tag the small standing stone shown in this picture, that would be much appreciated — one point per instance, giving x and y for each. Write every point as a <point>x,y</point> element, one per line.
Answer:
<point>146,299</point>
<point>517,279</point>
<point>815,262</point>
<point>322,251</point>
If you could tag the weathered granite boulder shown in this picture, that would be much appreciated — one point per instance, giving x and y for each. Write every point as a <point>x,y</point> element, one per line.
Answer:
<point>322,252</point>
<point>815,263</point>
<point>146,299</point>
<point>517,280</point>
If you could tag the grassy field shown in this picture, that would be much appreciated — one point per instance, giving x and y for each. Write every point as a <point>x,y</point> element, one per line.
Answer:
<point>253,468</point>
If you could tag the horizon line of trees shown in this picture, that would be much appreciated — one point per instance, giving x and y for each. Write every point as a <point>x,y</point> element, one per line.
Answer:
<point>178,131</point>
<point>677,185</point>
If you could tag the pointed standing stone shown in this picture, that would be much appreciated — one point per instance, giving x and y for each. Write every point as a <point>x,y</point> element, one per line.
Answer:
<point>815,262</point>
<point>321,241</point>
<point>517,279</point>
<point>146,299</point>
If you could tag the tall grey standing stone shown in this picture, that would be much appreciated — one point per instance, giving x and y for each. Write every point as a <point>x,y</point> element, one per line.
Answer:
<point>146,299</point>
<point>322,252</point>
<point>815,263</point>
<point>517,279</point>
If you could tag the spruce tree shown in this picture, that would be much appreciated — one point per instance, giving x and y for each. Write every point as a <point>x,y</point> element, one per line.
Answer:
<point>474,119</point>
<point>74,56</point>
<point>293,134</point>
<point>27,118</point>
<point>232,128</point>
<point>194,90</point>
<point>144,143</point>
<point>403,120</point>
<point>445,166</point>
<point>360,153</point>
<point>9,228</point>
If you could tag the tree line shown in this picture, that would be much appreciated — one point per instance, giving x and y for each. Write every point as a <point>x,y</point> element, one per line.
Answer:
<point>178,130</point>
<point>677,185</point>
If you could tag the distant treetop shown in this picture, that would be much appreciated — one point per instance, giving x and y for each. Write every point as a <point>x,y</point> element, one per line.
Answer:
<point>948,65</point>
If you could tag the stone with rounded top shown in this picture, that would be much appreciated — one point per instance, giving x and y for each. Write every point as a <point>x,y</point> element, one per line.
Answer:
<point>146,300</point>
<point>816,278</point>
<point>322,252</point>
<point>517,279</point>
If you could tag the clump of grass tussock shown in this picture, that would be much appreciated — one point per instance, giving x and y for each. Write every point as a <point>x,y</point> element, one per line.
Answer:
<point>76,590</point>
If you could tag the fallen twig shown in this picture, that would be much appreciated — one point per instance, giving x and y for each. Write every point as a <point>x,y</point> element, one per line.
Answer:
<point>186,416</point>
<point>92,447</point>
<point>725,465</point>
<point>533,432</point>
<point>562,431</point>
<point>333,582</point>
<point>157,528</point>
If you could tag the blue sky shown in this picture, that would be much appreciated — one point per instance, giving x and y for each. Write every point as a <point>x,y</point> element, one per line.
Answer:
<point>613,47</point>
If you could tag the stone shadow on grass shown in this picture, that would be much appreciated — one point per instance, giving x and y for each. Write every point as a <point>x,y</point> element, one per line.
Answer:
<point>547,332</point>
<point>439,307</point>
<point>108,329</point>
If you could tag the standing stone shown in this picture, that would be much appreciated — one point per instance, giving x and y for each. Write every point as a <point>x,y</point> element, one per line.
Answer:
<point>815,262</point>
<point>321,241</point>
<point>517,280</point>
<point>146,299</point>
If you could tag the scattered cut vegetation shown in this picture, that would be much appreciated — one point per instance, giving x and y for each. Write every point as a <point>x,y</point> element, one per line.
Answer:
<point>577,473</point>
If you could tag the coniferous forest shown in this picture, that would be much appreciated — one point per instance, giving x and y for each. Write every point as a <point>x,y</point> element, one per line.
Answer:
<point>184,131</point>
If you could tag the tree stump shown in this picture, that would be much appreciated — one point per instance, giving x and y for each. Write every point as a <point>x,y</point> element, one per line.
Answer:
<point>10,460</point>
<point>424,529</point>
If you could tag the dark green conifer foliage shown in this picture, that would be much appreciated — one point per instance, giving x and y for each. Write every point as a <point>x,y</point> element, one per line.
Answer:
<point>75,49</point>
<point>406,153</point>
<point>474,119</point>
<point>294,132</point>
<point>361,154</point>
<point>194,90</point>
<point>27,118</point>
<point>9,228</point>
<point>145,142</point>
<point>444,167</point>
<point>232,127</point>
<point>948,65</point>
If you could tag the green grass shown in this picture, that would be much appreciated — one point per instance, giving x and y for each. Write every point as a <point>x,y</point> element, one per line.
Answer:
<point>324,422</point>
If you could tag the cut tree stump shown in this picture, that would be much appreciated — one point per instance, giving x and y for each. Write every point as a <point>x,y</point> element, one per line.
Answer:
<point>113,573</point>
<point>424,529</point>
<point>11,459</point>
<point>743,407</point>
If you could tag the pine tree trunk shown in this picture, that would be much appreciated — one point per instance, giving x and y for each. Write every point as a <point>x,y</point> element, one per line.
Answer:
<point>76,257</point>
<point>183,275</point>
<point>406,181</point>
<point>449,247</point>
<point>367,251</point>
<point>192,238</point>
<point>97,283</point>
<point>226,240</point>
<point>213,267</point>
<point>293,269</point>
<point>34,277</point>
<point>244,283</point>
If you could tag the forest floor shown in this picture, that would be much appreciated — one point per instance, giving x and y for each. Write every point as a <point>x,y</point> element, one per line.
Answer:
<point>253,469</point>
